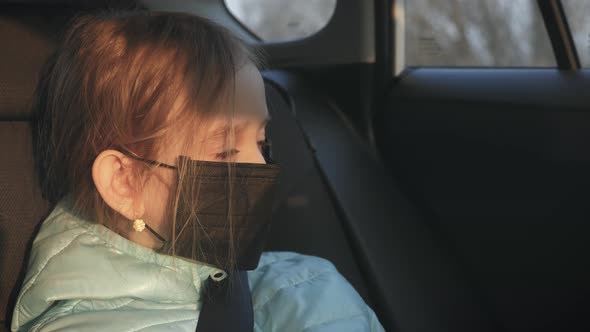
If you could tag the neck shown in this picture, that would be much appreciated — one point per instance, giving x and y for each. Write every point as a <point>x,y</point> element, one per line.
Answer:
<point>144,239</point>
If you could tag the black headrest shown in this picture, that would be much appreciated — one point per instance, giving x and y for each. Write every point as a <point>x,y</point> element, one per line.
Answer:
<point>27,38</point>
<point>29,33</point>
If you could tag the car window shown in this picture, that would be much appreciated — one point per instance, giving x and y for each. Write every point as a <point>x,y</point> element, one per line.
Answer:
<point>282,20</point>
<point>476,33</point>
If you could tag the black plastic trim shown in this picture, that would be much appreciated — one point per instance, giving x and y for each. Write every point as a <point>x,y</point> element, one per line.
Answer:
<point>349,37</point>
<point>242,25</point>
<point>415,283</point>
<point>538,87</point>
<point>560,35</point>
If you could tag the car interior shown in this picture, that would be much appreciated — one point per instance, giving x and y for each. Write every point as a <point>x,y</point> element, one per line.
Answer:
<point>452,199</point>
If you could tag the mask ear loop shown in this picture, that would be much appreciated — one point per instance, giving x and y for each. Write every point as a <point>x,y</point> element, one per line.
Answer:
<point>154,233</point>
<point>139,224</point>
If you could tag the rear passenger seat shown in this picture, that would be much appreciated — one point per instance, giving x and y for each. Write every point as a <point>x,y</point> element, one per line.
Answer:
<point>305,218</point>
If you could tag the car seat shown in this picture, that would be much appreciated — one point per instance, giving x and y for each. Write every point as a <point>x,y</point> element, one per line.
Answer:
<point>306,219</point>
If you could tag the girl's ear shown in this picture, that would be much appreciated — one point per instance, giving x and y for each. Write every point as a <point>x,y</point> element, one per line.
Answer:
<point>116,182</point>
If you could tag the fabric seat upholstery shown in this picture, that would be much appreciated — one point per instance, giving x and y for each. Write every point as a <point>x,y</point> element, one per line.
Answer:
<point>27,41</point>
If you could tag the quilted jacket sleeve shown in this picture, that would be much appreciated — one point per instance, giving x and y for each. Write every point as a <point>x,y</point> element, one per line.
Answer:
<point>305,293</point>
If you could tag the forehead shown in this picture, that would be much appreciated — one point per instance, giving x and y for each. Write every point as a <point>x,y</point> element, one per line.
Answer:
<point>247,109</point>
<point>249,97</point>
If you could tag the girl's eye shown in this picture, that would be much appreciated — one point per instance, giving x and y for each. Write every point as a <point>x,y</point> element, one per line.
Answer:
<point>226,154</point>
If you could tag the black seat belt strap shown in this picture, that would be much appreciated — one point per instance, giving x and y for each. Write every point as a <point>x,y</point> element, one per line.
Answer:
<point>227,305</point>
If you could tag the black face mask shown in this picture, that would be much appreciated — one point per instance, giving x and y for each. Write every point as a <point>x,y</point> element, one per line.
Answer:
<point>210,194</point>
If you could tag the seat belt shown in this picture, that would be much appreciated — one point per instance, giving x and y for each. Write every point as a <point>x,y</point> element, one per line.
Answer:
<point>227,305</point>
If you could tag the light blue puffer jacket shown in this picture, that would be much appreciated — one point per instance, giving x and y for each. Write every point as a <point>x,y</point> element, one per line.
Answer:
<point>84,277</point>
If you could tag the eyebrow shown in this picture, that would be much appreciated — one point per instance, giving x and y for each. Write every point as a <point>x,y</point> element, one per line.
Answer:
<point>223,131</point>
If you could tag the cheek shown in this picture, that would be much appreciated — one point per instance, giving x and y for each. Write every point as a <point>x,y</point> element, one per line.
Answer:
<point>250,153</point>
<point>252,157</point>
<point>157,194</point>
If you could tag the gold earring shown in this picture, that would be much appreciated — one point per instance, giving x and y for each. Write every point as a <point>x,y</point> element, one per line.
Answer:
<point>138,225</point>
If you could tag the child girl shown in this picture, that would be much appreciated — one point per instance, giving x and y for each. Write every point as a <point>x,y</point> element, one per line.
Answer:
<point>150,139</point>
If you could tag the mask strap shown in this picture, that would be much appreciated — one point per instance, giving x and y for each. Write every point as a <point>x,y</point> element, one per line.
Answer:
<point>149,161</point>
<point>155,163</point>
<point>154,233</point>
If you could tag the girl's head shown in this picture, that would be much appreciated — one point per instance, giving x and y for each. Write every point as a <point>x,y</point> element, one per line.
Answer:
<point>155,86</point>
